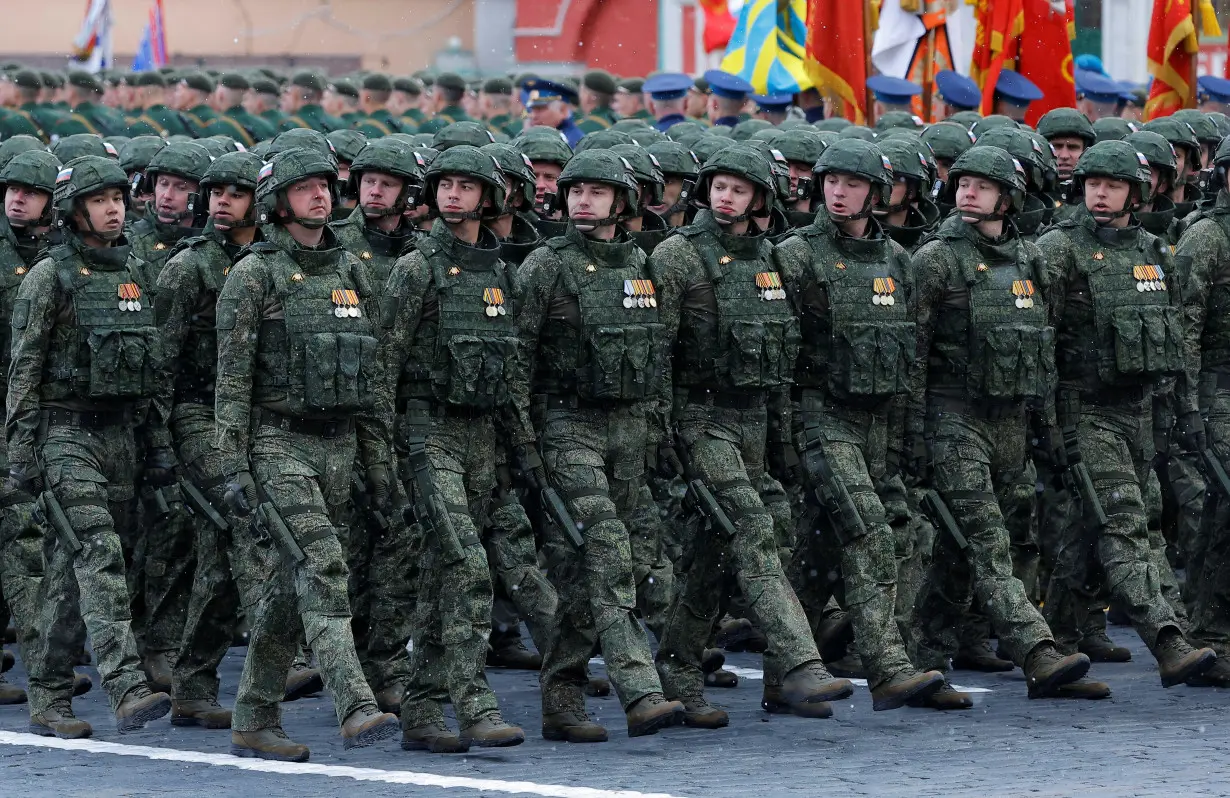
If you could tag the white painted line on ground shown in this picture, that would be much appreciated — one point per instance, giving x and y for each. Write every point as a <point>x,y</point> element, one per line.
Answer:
<point>758,676</point>
<point>332,771</point>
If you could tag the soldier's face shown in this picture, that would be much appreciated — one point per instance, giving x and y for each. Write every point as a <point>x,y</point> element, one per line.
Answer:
<point>549,115</point>
<point>228,204</point>
<point>379,191</point>
<point>845,195</point>
<point>589,202</point>
<point>458,194</point>
<point>670,194</point>
<point>977,195</point>
<point>626,103</point>
<point>171,194</point>
<point>292,99</point>
<point>697,102</point>
<point>730,195</point>
<point>1068,151</point>
<point>1105,196</point>
<point>23,204</point>
<point>545,177</point>
<point>101,214</point>
<point>900,187</point>
<point>310,199</point>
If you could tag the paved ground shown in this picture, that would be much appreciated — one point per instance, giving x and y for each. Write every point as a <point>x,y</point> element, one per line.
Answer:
<point>1144,741</point>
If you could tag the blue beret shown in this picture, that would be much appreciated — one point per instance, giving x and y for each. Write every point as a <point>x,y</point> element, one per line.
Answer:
<point>958,90</point>
<point>1016,88</point>
<point>892,91</point>
<point>540,91</point>
<point>668,86</point>
<point>724,84</point>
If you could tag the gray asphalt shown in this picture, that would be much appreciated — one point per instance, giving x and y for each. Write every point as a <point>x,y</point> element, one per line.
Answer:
<point>1143,741</point>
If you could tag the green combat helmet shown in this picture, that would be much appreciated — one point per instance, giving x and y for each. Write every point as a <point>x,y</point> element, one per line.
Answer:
<point>1163,160</point>
<point>741,161</point>
<point>217,146</point>
<point>676,160</point>
<point>543,148</point>
<point>391,157</point>
<point>948,141</point>
<point>346,143</point>
<point>302,138</point>
<point>469,132</point>
<point>857,132</point>
<point>181,159</point>
<point>769,134</point>
<point>603,139</point>
<point>1113,128</point>
<point>686,133</point>
<point>647,135</point>
<point>706,146</point>
<point>1120,161</point>
<point>1020,145</point>
<point>647,170</point>
<point>602,166</point>
<point>240,169</point>
<point>469,161</point>
<point>995,164</point>
<point>834,124</point>
<point>78,144</point>
<point>281,172</point>
<point>861,159</point>
<point>80,178</point>
<point>898,119</point>
<point>744,130</point>
<point>1200,123</point>
<point>17,144</point>
<point>1179,134</point>
<point>1065,123</point>
<point>36,169</point>
<point>136,154</point>
<point>991,123</point>
<point>515,166</point>
<point>965,119</point>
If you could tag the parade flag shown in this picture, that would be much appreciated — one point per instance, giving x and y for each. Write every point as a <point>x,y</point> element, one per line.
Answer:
<point>719,24</point>
<point>91,48</point>
<point>767,46</point>
<point>1172,50</point>
<point>152,51</point>
<point>836,54</point>
<point>1000,23</point>
<point>1045,55</point>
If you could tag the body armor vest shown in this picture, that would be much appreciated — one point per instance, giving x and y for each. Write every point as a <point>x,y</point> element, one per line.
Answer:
<point>197,365</point>
<point>14,264</point>
<point>618,352</point>
<point>1215,338</point>
<point>858,335</point>
<point>754,341</point>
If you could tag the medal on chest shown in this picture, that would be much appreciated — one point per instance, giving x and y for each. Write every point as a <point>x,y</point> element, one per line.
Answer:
<point>884,287</point>
<point>1149,278</point>
<point>639,294</point>
<point>494,299</point>
<point>1023,290</point>
<point>346,304</point>
<point>770,285</point>
<point>130,296</point>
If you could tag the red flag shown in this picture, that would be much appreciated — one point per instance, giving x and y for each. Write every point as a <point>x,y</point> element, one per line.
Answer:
<point>719,24</point>
<point>1000,23</point>
<point>836,54</point>
<point>1046,57</point>
<point>1172,47</point>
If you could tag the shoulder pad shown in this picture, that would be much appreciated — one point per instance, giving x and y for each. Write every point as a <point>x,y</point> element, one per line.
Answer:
<point>428,246</point>
<point>261,248</point>
<point>558,243</point>
<point>691,231</point>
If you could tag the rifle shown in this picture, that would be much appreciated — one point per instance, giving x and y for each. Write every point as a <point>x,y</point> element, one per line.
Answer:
<point>556,508</point>
<point>267,522</point>
<point>1213,467</point>
<point>358,492</point>
<point>937,511</point>
<point>429,509</point>
<point>834,497</point>
<point>48,512</point>
<point>198,503</point>
<point>698,497</point>
<point>1079,479</point>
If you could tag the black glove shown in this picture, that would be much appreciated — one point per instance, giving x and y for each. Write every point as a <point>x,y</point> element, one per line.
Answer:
<point>159,467</point>
<point>783,462</point>
<point>25,477</point>
<point>1046,449</point>
<point>1189,433</point>
<point>378,483</point>
<point>240,493</point>
<point>916,458</point>
<point>529,463</point>
<point>669,464</point>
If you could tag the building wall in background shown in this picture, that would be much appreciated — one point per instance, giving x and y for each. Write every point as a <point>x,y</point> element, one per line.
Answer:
<point>620,36</point>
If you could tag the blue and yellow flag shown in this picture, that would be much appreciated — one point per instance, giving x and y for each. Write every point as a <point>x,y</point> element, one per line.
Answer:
<point>766,48</point>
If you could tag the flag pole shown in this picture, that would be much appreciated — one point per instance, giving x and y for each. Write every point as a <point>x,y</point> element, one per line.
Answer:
<point>1190,100</point>
<point>928,86</point>
<point>867,34</point>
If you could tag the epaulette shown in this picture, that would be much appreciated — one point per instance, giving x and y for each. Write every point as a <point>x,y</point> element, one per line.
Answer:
<point>428,246</point>
<point>558,243</point>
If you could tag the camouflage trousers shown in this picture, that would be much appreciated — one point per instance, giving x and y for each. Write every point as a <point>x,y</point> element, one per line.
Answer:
<point>973,460</point>
<point>452,616</point>
<point>595,459</point>
<point>726,447</point>
<point>652,570</point>
<point>21,564</point>
<point>1116,445</point>
<point>833,555</point>
<point>1211,598</point>
<point>162,573</point>
<point>89,471</point>
<point>228,570</point>
<point>307,478</point>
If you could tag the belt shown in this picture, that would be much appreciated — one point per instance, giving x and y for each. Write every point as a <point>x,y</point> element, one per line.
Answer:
<point>564,401</point>
<point>1109,397</point>
<point>96,419</point>
<point>986,410</point>
<point>321,428</point>
<point>728,399</point>
<point>195,398</point>
<point>438,409</point>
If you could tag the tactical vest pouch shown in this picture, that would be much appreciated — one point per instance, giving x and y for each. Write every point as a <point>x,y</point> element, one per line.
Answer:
<point>619,363</point>
<point>477,372</point>
<point>1148,342</point>
<point>1018,361</point>
<point>761,354</point>
<point>122,365</point>
<point>341,371</point>
<point>872,359</point>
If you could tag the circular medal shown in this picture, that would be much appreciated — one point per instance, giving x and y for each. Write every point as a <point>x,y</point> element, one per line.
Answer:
<point>1158,285</point>
<point>781,293</point>
<point>123,305</point>
<point>890,299</point>
<point>339,311</point>
<point>876,299</point>
<point>500,309</point>
<point>1140,287</point>
<point>136,304</point>
<point>628,303</point>
<point>491,311</point>
<point>764,295</point>
<point>354,311</point>
<point>1020,303</point>
<point>653,303</point>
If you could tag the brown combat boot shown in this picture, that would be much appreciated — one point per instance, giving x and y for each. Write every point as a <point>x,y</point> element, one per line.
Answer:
<point>82,684</point>
<point>138,707</point>
<point>268,744</point>
<point>490,731</point>
<point>389,699</point>
<point>811,682</point>
<point>1046,668</point>
<point>944,699</point>
<point>301,681</point>
<point>204,712</point>
<point>834,634</point>
<point>1100,648</point>
<point>11,693</point>
<point>1086,689</point>
<point>772,701</point>
<point>597,687</point>
<point>721,678</point>
<point>1178,661</point>
<point>1216,676</point>
<point>158,666</point>
<point>507,651</point>
<point>980,657</point>
<point>366,726</point>
<point>7,661</point>
<point>571,727</point>
<point>700,714</point>
<point>738,634</point>
<point>652,712</point>
<point>59,721</point>
<point>848,667</point>
<point>711,660</point>
<point>902,687</point>
<point>434,737</point>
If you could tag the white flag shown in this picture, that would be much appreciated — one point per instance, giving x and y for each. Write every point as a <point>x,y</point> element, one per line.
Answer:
<point>895,39</point>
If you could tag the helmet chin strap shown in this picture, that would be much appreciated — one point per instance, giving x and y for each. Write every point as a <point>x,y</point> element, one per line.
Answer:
<point>376,213</point>
<point>1129,207</point>
<point>865,213</point>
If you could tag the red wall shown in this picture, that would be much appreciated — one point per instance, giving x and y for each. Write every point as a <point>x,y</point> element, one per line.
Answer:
<point>620,36</point>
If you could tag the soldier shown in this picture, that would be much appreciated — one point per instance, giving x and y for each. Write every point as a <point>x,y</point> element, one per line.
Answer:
<point>595,95</point>
<point>514,226</point>
<point>374,96</point>
<point>668,92</point>
<point>645,227</point>
<point>295,303</point>
<point>385,177</point>
<point>192,94</point>
<point>909,214</point>
<point>261,100</point>
<point>947,140</point>
<point>495,105</point>
<point>1070,134</point>
<point>70,427</point>
<point>447,93</point>
<point>1119,333</point>
<point>83,93</point>
<point>153,117</point>
<point>177,210</point>
<point>629,101</point>
<point>587,302</point>
<point>301,100</point>
<point>549,104</point>
<point>1013,95</point>
<point>959,94</point>
<point>233,119</point>
<point>727,95</point>
<point>1183,192</point>
<point>341,100</point>
<point>404,102</point>
<point>548,155</point>
<point>16,89</point>
<point>680,167</point>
